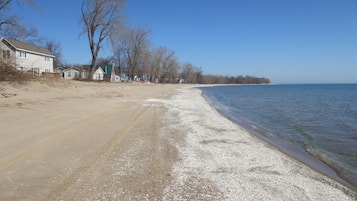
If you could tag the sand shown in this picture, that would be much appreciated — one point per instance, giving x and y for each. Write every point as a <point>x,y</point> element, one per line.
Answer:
<point>108,141</point>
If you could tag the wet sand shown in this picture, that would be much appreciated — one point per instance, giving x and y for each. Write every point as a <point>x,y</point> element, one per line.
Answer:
<point>106,141</point>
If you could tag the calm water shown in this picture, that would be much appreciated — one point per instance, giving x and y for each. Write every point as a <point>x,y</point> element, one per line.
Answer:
<point>320,120</point>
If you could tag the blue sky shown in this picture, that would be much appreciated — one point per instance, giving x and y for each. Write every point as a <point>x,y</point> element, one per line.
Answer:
<point>288,41</point>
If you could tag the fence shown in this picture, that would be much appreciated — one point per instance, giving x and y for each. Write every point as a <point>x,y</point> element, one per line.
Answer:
<point>51,75</point>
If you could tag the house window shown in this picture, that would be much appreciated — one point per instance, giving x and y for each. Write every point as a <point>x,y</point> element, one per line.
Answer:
<point>6,54</point>
<point>47,58</point>
<point>47,70</point>
<point>23,54</point>
<point>69,74</point>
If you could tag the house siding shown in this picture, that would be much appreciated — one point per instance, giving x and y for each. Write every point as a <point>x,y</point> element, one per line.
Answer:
<point>34,62</point>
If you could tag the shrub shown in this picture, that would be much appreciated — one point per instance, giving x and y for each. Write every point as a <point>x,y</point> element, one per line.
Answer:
<point>10,74</point>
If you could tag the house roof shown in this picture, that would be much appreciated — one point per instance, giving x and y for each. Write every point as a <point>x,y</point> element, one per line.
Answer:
<point>18,45</point>
<point>107,68</point>
<point>70,69</point>
<point>100,69</point>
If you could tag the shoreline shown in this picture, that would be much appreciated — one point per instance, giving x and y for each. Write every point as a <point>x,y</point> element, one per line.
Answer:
<point>242,162</point>
<point>306,158</point>
<point>294,151</point>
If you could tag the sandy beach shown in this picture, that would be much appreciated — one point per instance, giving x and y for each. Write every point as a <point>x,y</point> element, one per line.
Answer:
<point>109,141</point>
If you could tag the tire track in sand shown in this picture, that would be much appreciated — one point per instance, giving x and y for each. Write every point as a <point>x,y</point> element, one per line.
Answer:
<point>100,156</point>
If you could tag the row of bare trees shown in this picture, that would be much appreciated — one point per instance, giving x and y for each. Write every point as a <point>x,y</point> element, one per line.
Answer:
<point>134,56</point>
<point>214,79</point>
<point>132,51</point>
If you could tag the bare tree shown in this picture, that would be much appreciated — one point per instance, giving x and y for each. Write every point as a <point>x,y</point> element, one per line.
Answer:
<point>163,65</point>
<point>9,24</point>
<point>103,60</point>
<point>192,74</point>
<point>133,45</point>
<point>155,61</point>
<point>99,18</point>
<point>169,67</point>
<point>187,72</point>
<point>118,58</point>
<point>138,47</point>
<point>56,49</point>
<point>5,18</point>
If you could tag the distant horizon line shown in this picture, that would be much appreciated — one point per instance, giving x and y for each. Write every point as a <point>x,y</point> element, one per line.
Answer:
<point>311,83</point>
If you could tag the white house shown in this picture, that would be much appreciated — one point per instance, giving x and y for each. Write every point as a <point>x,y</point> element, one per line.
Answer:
<point>98,74</point>
<point>70,73</point>
<point>26,57</point>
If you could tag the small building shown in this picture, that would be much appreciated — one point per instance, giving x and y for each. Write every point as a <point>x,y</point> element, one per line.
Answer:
<point>103,72</point>
<point>98,74</point>
<point>70,74</point>
<point>59,70</point>
<point>26,57</point>
<point>109,74</point>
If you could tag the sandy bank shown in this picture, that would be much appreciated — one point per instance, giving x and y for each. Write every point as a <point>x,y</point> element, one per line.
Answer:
<point>102,141</point>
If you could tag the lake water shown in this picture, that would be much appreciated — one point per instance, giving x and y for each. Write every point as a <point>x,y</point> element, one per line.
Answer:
<point>317,124</point>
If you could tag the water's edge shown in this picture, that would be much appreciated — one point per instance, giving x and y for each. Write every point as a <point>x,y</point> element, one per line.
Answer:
<point>294,152</point>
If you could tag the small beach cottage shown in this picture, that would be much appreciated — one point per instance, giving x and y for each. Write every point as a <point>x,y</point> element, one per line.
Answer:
<point>109,73</point>
<point>70,73</point>
<point>98,74</point>
<point>26,57</point>
<point>103,72</point>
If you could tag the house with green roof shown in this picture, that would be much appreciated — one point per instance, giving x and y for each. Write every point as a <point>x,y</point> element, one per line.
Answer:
<point>103,72</point>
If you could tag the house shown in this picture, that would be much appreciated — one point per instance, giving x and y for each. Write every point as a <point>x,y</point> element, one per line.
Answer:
<point>98,74</point>
<point>59,69</point>
<point>103,72</point>
<point>70,73</point>
<point>26,57</point>
<point>109,74</point>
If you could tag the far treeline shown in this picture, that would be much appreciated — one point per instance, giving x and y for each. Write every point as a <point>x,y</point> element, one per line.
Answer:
<point>213,79</point>
<point>131,47</point>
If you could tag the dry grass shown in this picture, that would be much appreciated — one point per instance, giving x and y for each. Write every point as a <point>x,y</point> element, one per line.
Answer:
<point>9,74</point>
